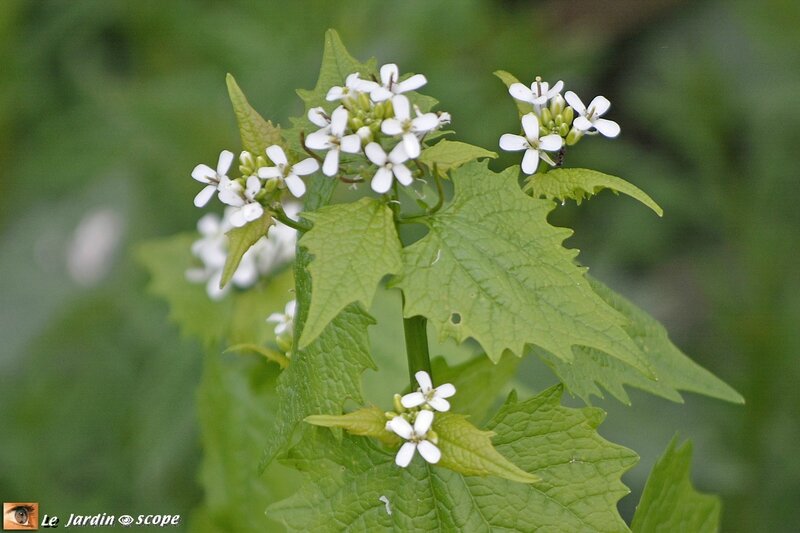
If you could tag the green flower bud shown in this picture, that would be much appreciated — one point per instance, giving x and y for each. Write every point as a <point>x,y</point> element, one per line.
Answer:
<point>563,129</point>
<point>389,415</point>
<point>573,137</point>
<point>398,406</point>
<point>379,111</point>
<point>356,123</point>
<point>547,116</point>
<point>364,102</point>
<point>270,185</point>
<point>557,104</point>
<point>568,114</point>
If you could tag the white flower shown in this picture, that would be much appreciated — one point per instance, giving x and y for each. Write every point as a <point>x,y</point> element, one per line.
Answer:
<point>444,118</point>
<point>416,438</point>
<point>284,321</point>
<point>247,208</point>
<point>426,394</point>
<point>318,117</point>
<point>388,165</point>
<point>590,118</point>
<point>286,173</point>
<point>353,85</point>
<point>538,94</point>
<point>390,84</point>
<point>212,178</point>
<point>333,139</point>
<point>410,128</point>
<point>531,143</point>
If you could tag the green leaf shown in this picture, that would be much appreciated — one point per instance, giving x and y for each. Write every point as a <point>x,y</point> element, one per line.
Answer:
<point>256,132</point>
<point>366,422</point>
<point>492,268</point>
<point>670,502</point>
<point>449,155</point>
<point>354,246</point>
<point>580,480</point>
<point>270,355</point>
<point>509,79</point>
<point>578,183</point>
<point>239,241</point>
<point>674,370</point>
<point>469,451</point>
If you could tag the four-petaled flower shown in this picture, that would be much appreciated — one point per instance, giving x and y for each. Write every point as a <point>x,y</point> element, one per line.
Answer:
<point>589,119</point>
<point>388,166</point>
<point>410,128</point>
<point>416,437</point>
<point>333,139</point>
<point>538,94</point>
<point>286,173</point>
<point>212,178</point>
<point>533,145</point>
<point>426,394</point>
<point>246,207</point>
<point>390,84</point>
<point>284,321</point>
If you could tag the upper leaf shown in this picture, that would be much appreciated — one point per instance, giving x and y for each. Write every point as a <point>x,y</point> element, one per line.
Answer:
<point>509,79</point>
<point>256,132</point>
<point>449,155</point>
<point>492,268</point>
<point>239,241</point>
<point>670,502</point>
<point>672,368</point>
<point>578,183</point>
<point>356,486</point>
<point>354,245</point>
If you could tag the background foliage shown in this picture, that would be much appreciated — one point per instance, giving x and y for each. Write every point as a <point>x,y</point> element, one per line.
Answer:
<point>107,105</point>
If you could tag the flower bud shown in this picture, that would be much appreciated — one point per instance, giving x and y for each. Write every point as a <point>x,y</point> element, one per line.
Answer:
<point>547,116</point>
<point>398,406</point>
<point>563,129</point>
<point>557,104</point>
<point>363,101</point>
<point>567,115</point>
<point>573,136</point>
<point>270,185</point>
<point>365,134</point>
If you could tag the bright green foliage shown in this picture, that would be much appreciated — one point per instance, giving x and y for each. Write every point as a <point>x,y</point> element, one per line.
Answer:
<point>366,422</point>
<point>579,183</point>
<point>493,269</point>
<point>449,155</point>
<point>469,451</point>
<point>580,480</point>
<point>239,241</point>
<point>256,132</point>
<point>674,370</point>
<point>506,77</point>
<point>670,502</point>
<point>354,246</point>
<point>271,355</point>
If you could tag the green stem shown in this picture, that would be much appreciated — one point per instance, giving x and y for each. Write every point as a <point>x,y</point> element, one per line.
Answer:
<point>281,216</point>
<point>416,332</point>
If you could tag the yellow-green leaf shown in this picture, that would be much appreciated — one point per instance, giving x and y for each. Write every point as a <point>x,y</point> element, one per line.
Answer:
<point>256,132</point>
<point>366,422</point>
<point>509,79</point>
<point>240,240</point>
<point>448,155</point>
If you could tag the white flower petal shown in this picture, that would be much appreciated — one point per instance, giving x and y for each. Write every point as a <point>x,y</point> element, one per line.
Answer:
<point>204,195</point>
<point>424,380</point>
<point>440,404</point>
<point>411,84</point>
<point>335,93</point>
<point>530,125</point>
<point>555,89</point>
<point>331,164</point>
<point>317,116</point>
<point>530,161</point>
<point>513,143</point>
<point>411,145</point>
<point>520,92</point>
<point>231,197</point>
<point>429,451</point>
<point>599,105</point>
<point>350,143</point>
<point>551,142</point>
<point>375,153</point>
<point>291,306</point>
<point>295,185</point>
<point>575,102</point>
<point>582,123</point>
<point>609,128</point>
<point>319,140</point>
<point>412,400</point>
<point>402,108</point>
<point>275,318</point>
<point>252,212</point>
<point>237,218</point>
<point>446,390</point>
<point>209,225</point>
<point>401,426</point>
<point>405,454</point>
<point>224,162</point>
<point>398,154</point>
<point>382,181</point>
<point>204,173</point>
<point>253,187</point>
<point>402,174</point>
<point>392,126</point>
<point>277,155</point>
<point>389,74</point>
<point>380,94</point>
<point>268,173</point>
<point>338,121</point>
<point>305,167</point>
<point>423,422</point>
<point>425,123</point>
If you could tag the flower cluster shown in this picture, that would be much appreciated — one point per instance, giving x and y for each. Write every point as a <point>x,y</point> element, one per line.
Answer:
<point>284,326</point>
<point>414,418</point>
<point>552,124</point>
<point>266,256</point>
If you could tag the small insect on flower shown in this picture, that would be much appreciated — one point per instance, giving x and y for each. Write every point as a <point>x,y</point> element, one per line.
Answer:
<point>426,394</point>
<point>416,437</point>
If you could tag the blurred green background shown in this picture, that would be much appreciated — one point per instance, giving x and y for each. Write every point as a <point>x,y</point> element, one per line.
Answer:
<point>106,106</point>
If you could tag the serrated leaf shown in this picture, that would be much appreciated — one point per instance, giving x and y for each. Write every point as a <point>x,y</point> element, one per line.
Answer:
<point>469,451</point>
<point>579,183</point>
<point>674,370</point>
<point>449,155</point>
<point>366,422</point>
<point>350,483</point>
<point>492,268</point>
<point>256,132</point>
<point>509,79</point>
<point>239,241</point>
<point>354,246</point>
<point>670,502</point>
